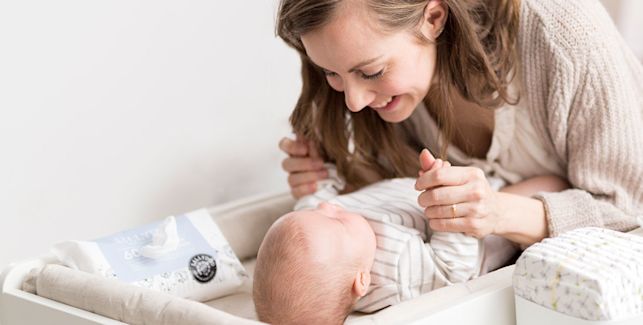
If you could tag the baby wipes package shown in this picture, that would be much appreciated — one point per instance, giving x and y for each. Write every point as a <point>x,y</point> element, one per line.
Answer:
<point>589,273</point>
<point>186,256</point>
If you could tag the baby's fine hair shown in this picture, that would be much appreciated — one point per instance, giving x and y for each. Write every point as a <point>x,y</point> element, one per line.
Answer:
<point>291,288</point>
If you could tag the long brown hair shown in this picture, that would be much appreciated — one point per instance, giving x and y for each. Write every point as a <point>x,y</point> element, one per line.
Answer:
<point>476,57</point>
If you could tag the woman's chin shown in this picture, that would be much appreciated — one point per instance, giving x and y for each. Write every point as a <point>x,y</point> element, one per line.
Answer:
<point>390,120</point>
<point>395,117</point>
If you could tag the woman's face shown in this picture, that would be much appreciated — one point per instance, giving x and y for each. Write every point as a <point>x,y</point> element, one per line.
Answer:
<point>389,73</point>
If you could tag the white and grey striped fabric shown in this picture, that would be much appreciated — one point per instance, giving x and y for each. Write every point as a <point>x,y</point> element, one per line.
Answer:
<point>405,265</point>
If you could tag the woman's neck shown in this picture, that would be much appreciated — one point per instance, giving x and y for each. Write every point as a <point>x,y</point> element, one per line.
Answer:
<point>472,126</point>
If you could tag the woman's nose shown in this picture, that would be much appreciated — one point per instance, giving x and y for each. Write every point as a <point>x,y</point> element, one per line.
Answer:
<point>357,97</point>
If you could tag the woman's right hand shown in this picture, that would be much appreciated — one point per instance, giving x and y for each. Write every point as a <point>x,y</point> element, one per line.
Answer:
<point>303,165</point>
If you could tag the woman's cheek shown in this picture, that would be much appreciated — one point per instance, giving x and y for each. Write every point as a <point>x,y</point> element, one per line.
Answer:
<point>393,86</point>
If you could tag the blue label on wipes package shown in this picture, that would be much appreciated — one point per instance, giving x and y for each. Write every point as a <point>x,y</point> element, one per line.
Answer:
<point>122,251</point>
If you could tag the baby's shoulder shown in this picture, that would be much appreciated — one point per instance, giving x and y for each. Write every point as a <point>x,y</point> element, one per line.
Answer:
<point>393,238</point>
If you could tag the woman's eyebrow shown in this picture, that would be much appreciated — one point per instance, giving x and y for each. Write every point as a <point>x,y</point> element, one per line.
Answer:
<point>363,63</point>
<point>355,68</point>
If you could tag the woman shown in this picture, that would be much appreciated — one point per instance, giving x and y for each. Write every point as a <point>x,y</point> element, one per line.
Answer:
<point>519,89</point>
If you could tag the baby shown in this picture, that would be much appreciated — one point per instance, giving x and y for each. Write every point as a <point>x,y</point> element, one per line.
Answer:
<point>362,251</point>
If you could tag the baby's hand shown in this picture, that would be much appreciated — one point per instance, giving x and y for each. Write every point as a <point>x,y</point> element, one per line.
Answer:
<point>428,162</point>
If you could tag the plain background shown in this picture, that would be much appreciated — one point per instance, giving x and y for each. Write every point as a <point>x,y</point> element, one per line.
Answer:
<point>117,113</point>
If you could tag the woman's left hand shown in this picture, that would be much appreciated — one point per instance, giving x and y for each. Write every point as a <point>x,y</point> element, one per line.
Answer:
<point>457,199</point>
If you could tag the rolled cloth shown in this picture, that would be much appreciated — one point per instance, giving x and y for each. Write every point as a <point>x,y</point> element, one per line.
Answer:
<point>121,301</point>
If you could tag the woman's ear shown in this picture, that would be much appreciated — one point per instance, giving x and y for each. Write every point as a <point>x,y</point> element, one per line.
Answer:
<point>361,283</point>
<point>435,17</point>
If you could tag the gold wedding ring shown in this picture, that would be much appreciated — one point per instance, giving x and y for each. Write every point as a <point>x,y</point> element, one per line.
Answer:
<point>453,211</point>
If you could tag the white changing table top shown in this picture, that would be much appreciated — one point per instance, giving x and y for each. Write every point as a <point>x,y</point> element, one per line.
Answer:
<point>488,299</point>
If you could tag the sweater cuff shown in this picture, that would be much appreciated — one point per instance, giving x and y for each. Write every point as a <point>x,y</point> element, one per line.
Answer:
<point>568,210</point>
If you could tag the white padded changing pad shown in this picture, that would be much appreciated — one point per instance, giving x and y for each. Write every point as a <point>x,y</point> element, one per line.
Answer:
<point>589,273</point>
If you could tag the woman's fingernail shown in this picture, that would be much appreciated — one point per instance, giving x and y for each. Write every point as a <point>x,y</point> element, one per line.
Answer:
<point>322,173</point>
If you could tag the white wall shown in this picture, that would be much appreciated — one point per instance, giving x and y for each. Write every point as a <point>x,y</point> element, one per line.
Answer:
<point>630,24</point>
<point>627,18</point>
<point>115,113</point>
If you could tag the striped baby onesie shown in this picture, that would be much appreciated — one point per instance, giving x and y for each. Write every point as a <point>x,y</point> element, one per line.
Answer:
<point>410,259</point>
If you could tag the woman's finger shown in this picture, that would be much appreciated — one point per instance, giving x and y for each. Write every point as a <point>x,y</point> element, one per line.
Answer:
<point>429,163</point>
<point>312,150</point>
<point>298,164</point>
<point>450,211</point>
<point>303,190</point>
<point>446,195</point>
<point>293,148</point>
<point>467,225</point>
<point>447,177</point>
<point>437,164</point>
<point>447,225</point>
<point>296,179</point>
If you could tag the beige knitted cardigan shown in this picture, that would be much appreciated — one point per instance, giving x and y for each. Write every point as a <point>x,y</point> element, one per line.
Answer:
<point>584,91</point>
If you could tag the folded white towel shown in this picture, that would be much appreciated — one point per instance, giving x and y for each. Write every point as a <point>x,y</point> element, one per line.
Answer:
<point>121,301</point>
<point>589,273</point>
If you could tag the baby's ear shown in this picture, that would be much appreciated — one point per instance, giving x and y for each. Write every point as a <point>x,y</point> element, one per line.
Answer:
<point>361,283</point>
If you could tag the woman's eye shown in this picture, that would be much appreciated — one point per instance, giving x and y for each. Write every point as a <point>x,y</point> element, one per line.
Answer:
<point>329,73</point>
<point>373,76</point>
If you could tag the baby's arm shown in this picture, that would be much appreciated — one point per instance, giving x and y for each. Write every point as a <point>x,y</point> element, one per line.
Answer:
<point>449,258</point>
<point>456,255</point>
<point>531,186</point>
<point>326,190</point>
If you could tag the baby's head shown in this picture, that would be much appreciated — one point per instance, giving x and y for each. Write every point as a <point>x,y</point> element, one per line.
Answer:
<point>312,266</point>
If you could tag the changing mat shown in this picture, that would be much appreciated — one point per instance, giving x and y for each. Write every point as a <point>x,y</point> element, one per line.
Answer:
<point>589,273</point>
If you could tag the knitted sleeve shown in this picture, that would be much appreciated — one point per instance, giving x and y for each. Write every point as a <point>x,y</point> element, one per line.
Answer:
<point>594,116</point>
